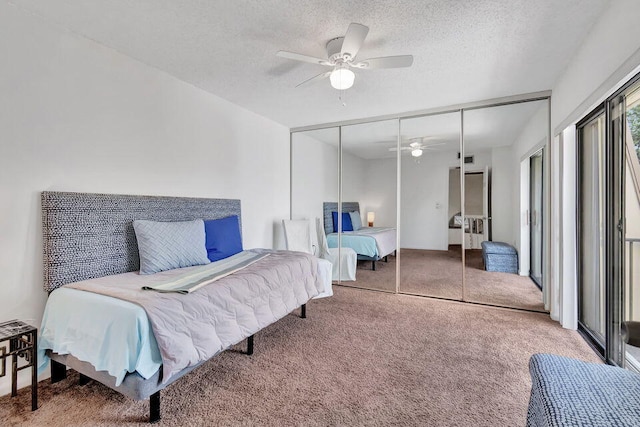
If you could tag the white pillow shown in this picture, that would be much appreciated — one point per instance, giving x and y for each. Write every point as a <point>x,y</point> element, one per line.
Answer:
<point>168,245</point>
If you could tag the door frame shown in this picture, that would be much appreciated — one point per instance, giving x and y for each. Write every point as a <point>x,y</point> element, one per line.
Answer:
<point>541,153</point>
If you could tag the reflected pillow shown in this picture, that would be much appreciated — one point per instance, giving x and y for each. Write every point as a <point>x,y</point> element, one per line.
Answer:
<point>346,222</point>
<point>223,237</point>
<point>356,220</point>
<point>168,245</point>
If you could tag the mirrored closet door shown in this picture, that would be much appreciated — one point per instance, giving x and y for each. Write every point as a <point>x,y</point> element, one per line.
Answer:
<point>430,205</point>
<point>497,142</point>
<point>369,202</point>
<point>315,175</point>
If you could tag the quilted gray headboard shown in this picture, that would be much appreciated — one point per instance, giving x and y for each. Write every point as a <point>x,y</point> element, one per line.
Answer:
<point>329,207</point>
<point>89,235</point>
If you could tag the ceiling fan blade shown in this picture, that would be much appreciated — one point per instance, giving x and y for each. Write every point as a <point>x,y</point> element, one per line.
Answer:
<point>433,145</point>
<point>356,33</point>
<point>386,62</point>
<point>315,78</point>
<point>303,58</point>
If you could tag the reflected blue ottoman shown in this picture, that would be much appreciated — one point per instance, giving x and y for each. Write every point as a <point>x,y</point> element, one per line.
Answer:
<point>499,256</point>
<point>569,392</point>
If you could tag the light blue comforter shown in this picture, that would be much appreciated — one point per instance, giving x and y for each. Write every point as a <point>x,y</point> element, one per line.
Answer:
<point>364,241</point>
<point>93,328</point>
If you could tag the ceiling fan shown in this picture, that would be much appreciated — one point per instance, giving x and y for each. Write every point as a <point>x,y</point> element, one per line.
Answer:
<point>341,54</point>
<point>417,146</point>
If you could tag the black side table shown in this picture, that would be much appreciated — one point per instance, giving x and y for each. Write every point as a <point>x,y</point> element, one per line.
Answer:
<point>23,341</point>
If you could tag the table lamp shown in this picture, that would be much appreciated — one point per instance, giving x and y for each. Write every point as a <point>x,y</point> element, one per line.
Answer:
<point>371,216</point>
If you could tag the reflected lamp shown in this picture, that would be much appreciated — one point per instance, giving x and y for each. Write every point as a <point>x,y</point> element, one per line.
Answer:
<point>371,216</point>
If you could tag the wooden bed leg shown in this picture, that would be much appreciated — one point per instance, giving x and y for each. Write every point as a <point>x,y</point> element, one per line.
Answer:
<point>154,407</point>
<point>373,265</point>
<point>58,371</point>
<point>250,345</point>
<point>83,379</point>
<point>303,311</point>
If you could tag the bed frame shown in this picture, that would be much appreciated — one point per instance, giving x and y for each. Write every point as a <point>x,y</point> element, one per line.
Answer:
<point>88,235</point>
<point>328,207</point>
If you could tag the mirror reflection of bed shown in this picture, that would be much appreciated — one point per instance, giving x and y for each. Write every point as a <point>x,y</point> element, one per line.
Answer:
<point>359,164</point>
<point>374,244</point>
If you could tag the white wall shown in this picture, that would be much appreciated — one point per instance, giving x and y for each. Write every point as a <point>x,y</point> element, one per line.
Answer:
<point>355,182</point>
<point>503,175</point>
<point>76,116</point>
<point>425,186</point>
<point>610,52</point>
<point>380,191</point>
<point>315,176</point>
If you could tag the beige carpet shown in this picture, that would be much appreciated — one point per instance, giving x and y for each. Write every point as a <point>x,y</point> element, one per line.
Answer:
<point>360,358</point>
<point>504,289</point>
<point>439,274</point>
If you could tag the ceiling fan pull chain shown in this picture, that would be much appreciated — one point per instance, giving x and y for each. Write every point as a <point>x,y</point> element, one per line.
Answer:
<point>344,103</point>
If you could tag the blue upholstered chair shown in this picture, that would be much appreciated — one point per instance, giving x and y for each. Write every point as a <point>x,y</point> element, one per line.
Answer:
<point>569,392</point>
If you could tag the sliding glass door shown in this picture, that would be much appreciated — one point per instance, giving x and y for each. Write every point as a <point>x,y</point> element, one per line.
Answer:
<point>609,223</point>
<point>626,120</point>
<point>591,229</point>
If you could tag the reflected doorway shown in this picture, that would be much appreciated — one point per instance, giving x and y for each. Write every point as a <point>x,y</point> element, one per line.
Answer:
<point>536,198</point>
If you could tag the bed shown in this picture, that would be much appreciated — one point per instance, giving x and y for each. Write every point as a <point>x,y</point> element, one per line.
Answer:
<point>100,322</point>
<point>370,243</point>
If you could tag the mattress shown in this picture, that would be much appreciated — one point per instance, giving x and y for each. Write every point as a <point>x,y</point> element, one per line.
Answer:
<point>374,242</point>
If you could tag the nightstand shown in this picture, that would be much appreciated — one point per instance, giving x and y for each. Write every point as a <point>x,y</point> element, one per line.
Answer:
<point>23,341</point>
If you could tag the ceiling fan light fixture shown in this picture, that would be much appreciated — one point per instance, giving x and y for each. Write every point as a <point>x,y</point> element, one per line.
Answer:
<point>416,153</point>
<point>342,78</point>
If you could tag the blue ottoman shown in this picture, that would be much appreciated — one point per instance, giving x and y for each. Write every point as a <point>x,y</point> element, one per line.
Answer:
<point>499,256</point>
<point>569,392</point>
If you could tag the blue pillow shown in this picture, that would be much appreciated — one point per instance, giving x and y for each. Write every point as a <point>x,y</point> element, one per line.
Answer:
<point>222,237</point>
<point>168,245</point>
<point>356,221</point>
<point>346,222</point>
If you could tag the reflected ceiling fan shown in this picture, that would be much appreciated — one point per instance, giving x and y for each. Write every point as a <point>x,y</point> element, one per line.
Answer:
<point>418,145</point>
<point>341,54</point>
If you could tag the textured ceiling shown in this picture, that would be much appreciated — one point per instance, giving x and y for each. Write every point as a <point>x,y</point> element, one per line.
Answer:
<point>464,50</point>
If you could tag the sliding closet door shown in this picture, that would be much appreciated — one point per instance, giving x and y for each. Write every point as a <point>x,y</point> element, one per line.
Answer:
<point>431,228</point>
<point>315,176</point>
<point>497,142</point>
<point>369,199</point>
